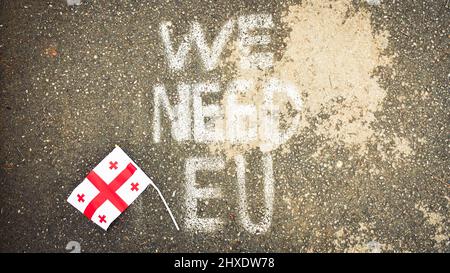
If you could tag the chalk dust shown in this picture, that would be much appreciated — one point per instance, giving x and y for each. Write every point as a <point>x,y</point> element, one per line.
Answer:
<point>402,147</point>
<point>331,58</point>
<point>331,54</point>
<point>437,221</point>
<point>361,241</point>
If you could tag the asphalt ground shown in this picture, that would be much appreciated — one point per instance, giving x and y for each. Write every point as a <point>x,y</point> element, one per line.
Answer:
<point>366,171</point>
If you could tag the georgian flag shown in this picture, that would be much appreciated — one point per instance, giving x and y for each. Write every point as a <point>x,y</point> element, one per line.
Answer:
<point>110,188</point>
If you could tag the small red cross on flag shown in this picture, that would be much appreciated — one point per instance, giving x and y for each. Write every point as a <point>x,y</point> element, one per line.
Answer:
<point>110,188</point>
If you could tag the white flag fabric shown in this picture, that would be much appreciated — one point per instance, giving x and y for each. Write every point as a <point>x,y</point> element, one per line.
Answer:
<point>110,188</point>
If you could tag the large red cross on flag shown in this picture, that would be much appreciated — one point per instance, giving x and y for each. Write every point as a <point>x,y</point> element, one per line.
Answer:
<point>110,188</point>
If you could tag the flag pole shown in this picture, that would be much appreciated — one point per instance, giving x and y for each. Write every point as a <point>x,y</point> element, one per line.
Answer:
<point>165,203</point>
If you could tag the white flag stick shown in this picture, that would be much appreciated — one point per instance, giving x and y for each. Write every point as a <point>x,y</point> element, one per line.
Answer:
<point>165,203</point>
